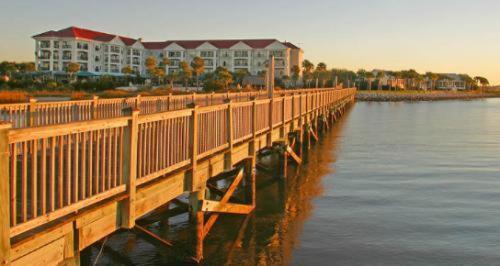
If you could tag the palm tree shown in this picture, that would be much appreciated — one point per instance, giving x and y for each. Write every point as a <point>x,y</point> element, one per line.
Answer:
<point>224,76</point>
<point>295,74</point>
<point>482,81</point>
<point>72,69</point>
<point>239,75</point>
<point>307,67</point>
<point>127,71</point>
<point>361,75</point>
<point>198,65</point>
<point>172,77</point>
<point>185,72</point>
<point>434,78</point>
<point>320,73</point>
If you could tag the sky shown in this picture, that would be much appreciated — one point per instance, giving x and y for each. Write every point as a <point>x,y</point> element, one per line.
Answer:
<point>446,36</point>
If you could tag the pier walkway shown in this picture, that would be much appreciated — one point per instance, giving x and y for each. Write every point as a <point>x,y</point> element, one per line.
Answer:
<point>74,172</point>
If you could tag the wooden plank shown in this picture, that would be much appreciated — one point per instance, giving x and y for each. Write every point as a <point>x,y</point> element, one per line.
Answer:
<point>37,241</point>
<point>25,134</point>
<point>97,230</point>
<point>233,208</point>
<point>51,254</point>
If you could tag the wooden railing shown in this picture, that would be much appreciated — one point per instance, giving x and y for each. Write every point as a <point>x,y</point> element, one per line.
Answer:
<point>52,171</point>
<point>35,113</point>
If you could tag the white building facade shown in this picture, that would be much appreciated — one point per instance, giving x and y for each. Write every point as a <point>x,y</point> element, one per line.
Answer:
<point>100,53</point>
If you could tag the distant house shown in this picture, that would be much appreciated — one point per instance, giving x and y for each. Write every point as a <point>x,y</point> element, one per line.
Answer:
<point>389,80</point>
<point>451,82</point>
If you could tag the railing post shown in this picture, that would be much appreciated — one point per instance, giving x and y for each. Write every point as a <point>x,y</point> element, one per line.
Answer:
<point>4,194</point>
<point>32,111</point>
<point>130,168</point>
<point>138,102</point>
<point>194,98</point>
<point>169,100</point>
<point>270,134</point>
<point>228,160</point>
<point>194,148</point>
<point>95,103</point>
<point>197,188</point>
<point>292,126</point>
<point>283,109</point>
<point>253,144</point>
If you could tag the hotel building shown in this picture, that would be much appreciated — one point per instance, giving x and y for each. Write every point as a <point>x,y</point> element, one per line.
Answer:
<point>100,53</point>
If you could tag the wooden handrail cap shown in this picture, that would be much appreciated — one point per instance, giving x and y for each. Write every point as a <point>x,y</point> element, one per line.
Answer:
<point>5,125</point>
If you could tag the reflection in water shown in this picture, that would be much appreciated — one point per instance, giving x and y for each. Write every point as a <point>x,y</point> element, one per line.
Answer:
<point>268,236</point>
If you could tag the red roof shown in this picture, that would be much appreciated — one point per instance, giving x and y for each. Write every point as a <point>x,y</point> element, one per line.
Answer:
<point>74,32</point>
<point>291,45</point>
<point>155,45</point>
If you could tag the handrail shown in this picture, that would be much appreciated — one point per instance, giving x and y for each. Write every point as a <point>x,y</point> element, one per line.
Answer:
<point>35,113</point>
<point>55,170</point>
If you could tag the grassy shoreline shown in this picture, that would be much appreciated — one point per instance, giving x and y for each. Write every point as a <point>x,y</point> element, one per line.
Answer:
<point>412,96</point>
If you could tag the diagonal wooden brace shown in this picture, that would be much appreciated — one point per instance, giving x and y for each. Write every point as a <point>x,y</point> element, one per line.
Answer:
<point>294,156</point>
<point>313,134</point>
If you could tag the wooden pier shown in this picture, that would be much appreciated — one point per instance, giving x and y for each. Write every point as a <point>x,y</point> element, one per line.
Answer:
<point>74,174</point>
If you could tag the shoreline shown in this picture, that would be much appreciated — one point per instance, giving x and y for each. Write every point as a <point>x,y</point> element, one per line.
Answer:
<point>412,96</point>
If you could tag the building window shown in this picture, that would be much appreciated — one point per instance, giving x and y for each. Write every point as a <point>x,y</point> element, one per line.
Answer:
<point>44,54</point>
<point>66,55</point>
<point>83,56</point>
<point>135,69</point>
<point>136,52</point>
<point>136,61</point>
<point>96,69</point>
<point>44,66</point>
<point>84,67</point>
<point>278,53</point>
<point>240,62</point>
<point>97,58</point>
<point>55,55</point>
<point>55,66</point>
<point>224,63</point>
<point>82,45</point>
<point>207,53</point>
<point>56,44</point>
<point>115,49</point>
<point>209,62</point>
<point>174,62</point>
<point>174,54</point>
<point>97,48</point>
<point>115,58</point>
<point>115,69</point>
<point>44,44</point>
<point>66,45</point>
<point>240,53</point>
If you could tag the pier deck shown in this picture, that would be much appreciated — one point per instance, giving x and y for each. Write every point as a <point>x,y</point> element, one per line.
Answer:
<point>65,186</point>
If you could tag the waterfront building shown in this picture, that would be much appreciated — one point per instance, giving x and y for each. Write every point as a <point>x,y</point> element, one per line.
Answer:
<point>451,82</point>
<point>100,53</point>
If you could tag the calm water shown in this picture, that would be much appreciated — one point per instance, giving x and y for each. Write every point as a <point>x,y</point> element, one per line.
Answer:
<point>392,184</point>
